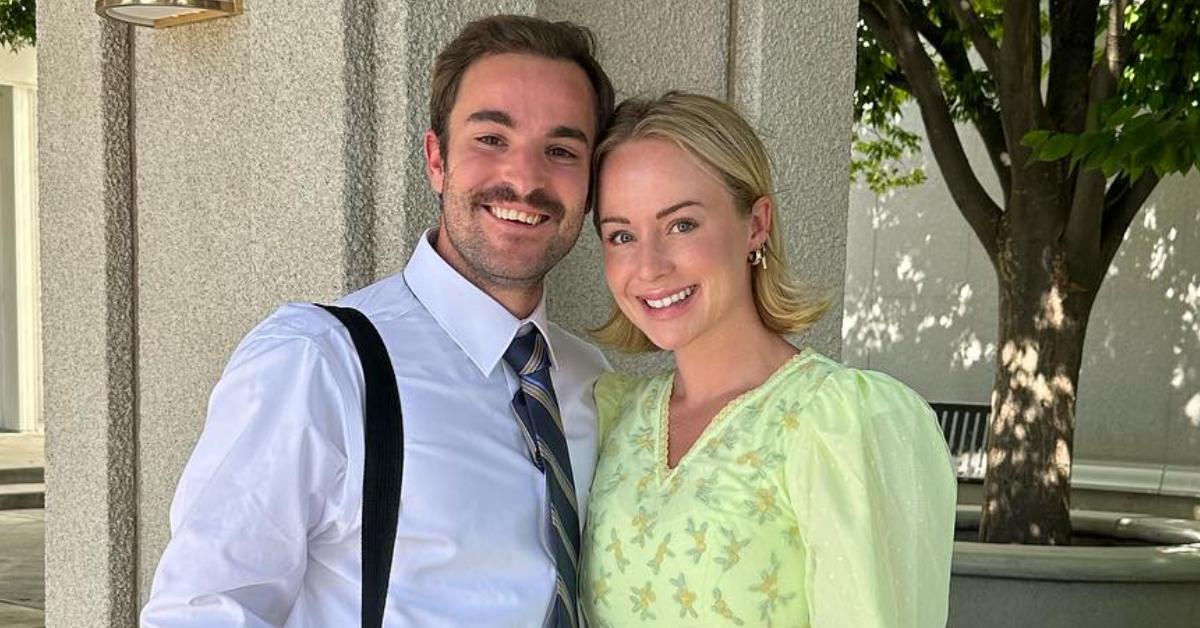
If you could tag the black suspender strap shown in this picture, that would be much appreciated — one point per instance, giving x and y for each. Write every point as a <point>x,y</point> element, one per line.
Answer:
<point>383,431</point>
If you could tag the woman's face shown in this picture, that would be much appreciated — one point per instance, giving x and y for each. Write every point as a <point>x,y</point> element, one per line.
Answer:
<point>675,247</point>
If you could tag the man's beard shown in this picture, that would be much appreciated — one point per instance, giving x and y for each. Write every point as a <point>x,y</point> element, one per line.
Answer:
<point>486,266</point>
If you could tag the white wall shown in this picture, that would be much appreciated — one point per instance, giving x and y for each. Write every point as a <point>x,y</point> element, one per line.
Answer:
<point>921,304</point>
<point>20,339</point>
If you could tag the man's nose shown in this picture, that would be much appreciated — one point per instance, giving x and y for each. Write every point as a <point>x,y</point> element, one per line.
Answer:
<point>525,170</point>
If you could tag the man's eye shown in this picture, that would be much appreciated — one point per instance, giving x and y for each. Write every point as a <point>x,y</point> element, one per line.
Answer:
<point>490,140</point>
<point>561,153</point>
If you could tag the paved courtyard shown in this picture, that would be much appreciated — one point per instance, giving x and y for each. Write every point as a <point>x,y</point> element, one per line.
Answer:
<point>22,594</point>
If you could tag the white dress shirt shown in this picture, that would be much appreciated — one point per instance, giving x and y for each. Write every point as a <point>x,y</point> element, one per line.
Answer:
<point>266,522</point>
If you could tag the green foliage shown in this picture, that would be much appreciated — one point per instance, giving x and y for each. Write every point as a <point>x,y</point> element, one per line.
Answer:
<point>1153,122</point>
<point>879,150</point>
<point>878,161</point>
<point>18,23</point>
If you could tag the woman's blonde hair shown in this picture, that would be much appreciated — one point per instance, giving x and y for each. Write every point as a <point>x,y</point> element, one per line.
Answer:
<point>722,140</point>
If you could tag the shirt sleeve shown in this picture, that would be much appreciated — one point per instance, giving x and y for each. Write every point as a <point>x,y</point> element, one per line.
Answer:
<point>875,493</point>
<point>254,490</point>
<point>610,391</point>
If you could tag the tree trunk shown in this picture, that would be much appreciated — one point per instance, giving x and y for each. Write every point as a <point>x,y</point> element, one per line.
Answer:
<point>1043,319</point>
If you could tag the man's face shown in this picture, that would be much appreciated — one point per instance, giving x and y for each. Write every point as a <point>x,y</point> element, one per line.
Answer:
<point>514,171</point>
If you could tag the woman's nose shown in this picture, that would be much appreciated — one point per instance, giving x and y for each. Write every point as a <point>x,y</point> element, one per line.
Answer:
<point>653,260</point>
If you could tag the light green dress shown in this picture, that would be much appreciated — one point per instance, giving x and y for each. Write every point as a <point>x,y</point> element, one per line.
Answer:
<point>824,497</point>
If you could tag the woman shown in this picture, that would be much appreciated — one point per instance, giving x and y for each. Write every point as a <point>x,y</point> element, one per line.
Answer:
<point>756,485</point>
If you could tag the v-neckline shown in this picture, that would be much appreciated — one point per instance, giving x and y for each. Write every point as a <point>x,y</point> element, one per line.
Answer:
<point>665,471</point>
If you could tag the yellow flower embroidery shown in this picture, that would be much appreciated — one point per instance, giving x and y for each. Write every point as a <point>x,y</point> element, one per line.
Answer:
<point>750,459</point>
<point>699,542</point>
<point>764,507</point>
<point>618,553</point>
<point>685,597</point>
<point>721,608</point>
<point>643,483</point>
<point>600,588</point>
<point>642,599</point>
<point>643,526</point>
<point>768,587</point>
<point>676,482</point>
<point>704,490</point>
<point>661,554</point>
<point>731,551</point>
<point>643,439</point>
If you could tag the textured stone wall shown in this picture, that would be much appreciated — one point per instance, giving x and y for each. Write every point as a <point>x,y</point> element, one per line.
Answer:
<point>276,156</point>
<point>88,301</point>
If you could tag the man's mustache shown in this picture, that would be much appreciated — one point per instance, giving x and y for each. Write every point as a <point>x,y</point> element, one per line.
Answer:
<point>538,199</point>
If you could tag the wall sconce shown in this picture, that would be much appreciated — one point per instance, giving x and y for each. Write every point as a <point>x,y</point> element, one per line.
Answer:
<point>166,13</point>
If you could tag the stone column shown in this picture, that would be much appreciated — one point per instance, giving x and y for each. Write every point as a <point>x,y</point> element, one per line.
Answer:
<point>88,301</point>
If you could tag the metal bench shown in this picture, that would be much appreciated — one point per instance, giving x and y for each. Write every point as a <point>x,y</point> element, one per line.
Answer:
<point>965,428</point>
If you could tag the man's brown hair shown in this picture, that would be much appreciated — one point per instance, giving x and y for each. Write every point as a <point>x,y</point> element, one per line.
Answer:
<point>501,34</point>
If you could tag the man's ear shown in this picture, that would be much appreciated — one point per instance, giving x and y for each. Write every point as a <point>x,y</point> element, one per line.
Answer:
<point>435,163</point>
<point>761,214</point>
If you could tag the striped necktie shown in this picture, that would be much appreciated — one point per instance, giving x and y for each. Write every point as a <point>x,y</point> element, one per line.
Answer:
<point>537,408</point>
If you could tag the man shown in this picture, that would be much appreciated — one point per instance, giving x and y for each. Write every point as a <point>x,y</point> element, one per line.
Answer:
<point>266,521</point>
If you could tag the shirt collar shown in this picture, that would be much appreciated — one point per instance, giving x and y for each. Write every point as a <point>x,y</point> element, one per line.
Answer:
<point>474,320</point>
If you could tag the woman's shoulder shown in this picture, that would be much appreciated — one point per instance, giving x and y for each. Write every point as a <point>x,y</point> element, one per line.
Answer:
<point>839,397</point>
<point>614,386</point>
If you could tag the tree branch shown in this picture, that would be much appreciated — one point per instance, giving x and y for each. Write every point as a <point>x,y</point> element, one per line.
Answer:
<point>980,211</point>
<point>985,118</point>
<point>1019,86</point>
<point>1121,206</point>
<point>878,26</point>
<point>1089,200</point>
<point>984,44</point>
<point>1072,39</point>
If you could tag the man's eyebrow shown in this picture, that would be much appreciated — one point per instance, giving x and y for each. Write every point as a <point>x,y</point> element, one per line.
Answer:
<point>676,207</point>
<point>570,132</point>
<point>492,115</point>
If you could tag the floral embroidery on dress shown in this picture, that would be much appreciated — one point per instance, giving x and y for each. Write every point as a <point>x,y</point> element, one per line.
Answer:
<point>720,607</point>
<point>662,553</point>
<point>699,541</point>
<point>643,598</point>
<point>768,588</point>
<point>685,597</point>
<point>731,551</point>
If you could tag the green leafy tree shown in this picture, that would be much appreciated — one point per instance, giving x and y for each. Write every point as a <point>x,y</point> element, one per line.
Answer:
<point>1082,106</point>
<point>18,23</point>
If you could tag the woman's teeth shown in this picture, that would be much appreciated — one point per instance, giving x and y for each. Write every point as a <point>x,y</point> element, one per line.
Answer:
<point>514,215</point>
<point>670,299</point>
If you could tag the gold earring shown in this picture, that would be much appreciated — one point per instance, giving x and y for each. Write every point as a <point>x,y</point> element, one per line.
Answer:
<point>757,258</point>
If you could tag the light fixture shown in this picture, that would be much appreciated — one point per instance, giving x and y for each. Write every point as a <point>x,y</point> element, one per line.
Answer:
<point>166,13</point>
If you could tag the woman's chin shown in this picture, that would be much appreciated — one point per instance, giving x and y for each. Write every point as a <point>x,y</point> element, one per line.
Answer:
<point>665,340</point>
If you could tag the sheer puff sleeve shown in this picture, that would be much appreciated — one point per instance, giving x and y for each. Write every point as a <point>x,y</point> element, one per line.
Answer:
<point>874,493</point>
<point>611,392</point>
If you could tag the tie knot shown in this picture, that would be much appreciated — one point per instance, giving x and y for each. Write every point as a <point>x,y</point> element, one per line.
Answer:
<point>527,354</point>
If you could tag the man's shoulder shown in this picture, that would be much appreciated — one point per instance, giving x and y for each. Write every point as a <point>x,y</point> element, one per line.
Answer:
<point>575,352</point>
<point>304,323</point>
<point>386,299</point>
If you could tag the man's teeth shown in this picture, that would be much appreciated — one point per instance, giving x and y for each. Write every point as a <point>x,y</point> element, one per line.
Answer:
<point>670,299</point>
<point>504,213</point>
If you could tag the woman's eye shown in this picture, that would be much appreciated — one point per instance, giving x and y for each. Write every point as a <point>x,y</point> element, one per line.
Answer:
<point>683,226</point>
<point>620,237</point>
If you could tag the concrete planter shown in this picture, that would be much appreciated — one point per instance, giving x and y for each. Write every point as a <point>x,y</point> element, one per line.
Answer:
<point>1150,578</point>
